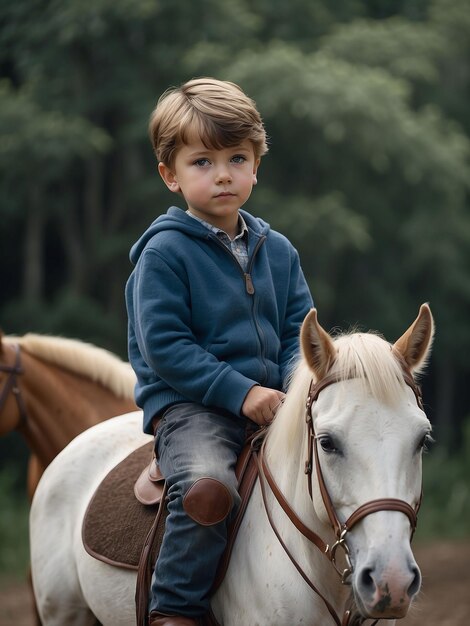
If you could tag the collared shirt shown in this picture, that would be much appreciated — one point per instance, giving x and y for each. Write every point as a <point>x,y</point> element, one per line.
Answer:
<point>238,245</point>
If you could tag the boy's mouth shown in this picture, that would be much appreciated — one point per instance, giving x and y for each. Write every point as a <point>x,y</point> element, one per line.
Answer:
<point>222,194</point>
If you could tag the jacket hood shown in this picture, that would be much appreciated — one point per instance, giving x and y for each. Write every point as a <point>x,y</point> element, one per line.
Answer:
<point>177,219</point>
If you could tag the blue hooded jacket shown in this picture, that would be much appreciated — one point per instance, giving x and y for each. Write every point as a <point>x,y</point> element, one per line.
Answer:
<point>200,328</point>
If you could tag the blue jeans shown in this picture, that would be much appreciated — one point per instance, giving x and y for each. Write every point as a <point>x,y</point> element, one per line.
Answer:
<point>193,442</point>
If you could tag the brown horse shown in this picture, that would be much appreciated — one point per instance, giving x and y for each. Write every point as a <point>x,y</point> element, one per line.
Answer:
<point>52,389</point>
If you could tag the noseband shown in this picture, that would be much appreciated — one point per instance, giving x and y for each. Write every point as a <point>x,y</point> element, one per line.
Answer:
<point>11,385</point>
<point>340,529</point>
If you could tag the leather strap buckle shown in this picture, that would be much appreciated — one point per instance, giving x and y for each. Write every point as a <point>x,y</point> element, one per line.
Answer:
<point>346,572</point>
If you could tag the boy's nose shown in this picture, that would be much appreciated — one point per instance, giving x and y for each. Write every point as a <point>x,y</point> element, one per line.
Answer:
<point>223,175</point>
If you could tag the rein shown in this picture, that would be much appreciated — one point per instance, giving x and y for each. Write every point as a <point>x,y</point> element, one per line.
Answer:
<point>11,385</point>
<point>340,529</point>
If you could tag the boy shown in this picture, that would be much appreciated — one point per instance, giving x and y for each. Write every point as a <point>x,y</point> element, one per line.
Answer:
<point>215,304</point>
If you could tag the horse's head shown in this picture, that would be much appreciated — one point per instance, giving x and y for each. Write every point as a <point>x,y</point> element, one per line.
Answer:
<point>370,431</point>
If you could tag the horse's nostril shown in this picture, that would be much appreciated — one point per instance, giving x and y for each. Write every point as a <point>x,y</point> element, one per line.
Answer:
<point>415,583</point>
<point>366,580</point>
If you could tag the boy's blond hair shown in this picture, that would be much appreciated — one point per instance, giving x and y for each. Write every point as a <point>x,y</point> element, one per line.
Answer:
<point>218,112</point>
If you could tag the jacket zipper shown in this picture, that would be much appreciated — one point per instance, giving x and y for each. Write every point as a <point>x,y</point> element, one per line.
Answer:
<point>250,289</point>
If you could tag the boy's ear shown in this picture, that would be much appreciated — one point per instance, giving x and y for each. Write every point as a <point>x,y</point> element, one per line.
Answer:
<point>255,171</point>
<point>169,177</point>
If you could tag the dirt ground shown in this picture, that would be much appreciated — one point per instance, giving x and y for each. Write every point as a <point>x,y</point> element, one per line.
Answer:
<point>444,599</point>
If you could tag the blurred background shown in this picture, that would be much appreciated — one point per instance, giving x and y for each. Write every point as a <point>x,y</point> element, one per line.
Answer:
<point>366,103</point>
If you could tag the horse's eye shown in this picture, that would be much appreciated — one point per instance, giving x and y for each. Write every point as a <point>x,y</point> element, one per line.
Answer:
<point>425,443</point>
<point>327,443</point>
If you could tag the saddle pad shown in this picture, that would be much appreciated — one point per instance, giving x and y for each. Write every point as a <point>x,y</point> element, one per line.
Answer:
<point>116,524</point>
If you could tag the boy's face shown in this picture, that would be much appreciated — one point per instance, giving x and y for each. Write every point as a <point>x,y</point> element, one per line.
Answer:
<point>214,183</point>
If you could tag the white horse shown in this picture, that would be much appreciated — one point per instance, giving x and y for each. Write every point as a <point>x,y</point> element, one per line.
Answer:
<point>367,428</point>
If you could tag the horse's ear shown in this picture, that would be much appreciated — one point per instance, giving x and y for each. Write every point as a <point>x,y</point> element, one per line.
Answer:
<point>414,346</point>
<point>317,346</point>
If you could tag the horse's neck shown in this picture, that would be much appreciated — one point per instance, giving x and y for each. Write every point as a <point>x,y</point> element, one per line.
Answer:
<point>282,597</point>
<point>60,405</point>
<point>287,464</point>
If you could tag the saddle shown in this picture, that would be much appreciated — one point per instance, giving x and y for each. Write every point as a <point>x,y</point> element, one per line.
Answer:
<point>125,519</point>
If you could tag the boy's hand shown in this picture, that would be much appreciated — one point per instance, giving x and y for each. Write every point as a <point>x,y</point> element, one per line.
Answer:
<point>261,404</point>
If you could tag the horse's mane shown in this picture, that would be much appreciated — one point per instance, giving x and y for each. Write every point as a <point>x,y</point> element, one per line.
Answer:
<point>365,356</point>
<point>82,358</point>
<point>370,358</point>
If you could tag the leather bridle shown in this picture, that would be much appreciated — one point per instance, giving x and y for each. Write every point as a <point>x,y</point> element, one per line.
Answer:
<point>11,386</point>
<point>340,529</point>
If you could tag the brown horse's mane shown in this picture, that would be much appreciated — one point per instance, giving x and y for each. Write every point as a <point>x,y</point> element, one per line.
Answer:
<point>81,358</point>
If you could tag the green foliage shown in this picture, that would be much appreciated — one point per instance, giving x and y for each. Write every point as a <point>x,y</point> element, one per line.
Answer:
<point>405,49</point>
<point>446,505</point>
<point>14,542</point>
<point>37,135</point>
<point>70,316</point>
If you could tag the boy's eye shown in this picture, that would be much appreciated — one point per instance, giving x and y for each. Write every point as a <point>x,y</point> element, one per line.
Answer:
<point>201,162</point>
<point>239,158</point>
